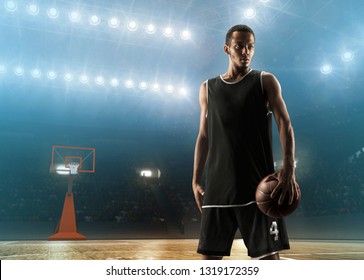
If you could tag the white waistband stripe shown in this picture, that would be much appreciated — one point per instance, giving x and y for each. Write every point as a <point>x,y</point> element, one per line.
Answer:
<point>228,206</point>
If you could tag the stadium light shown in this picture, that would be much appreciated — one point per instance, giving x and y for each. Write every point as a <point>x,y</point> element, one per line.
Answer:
<point>250,13</point>
<point>185,35</point>
<point>19,71</point>
<point>32,9</point>
<point>155,87</point>
<point>62,170</point>
<point>68,77</point>
<point>143,85</point>
<point>11,6</point>
<point>132,25</point>
<point>94,20</point>
<point>2,69</point>
<point>100,80</point>
<point>52,13</point>
<point>74,16</point>
<point>114,82</point>
<point>51,75</point>
<point>114,22</point>
<point>36,73</point>
<point>149,172</point>
<point>129,84</point>
<point>84,79</point>
<point>183,91</point>
<point>168,31</point>
<point>347,56</point>
<point>326,69</point>
<point>150,28</point>
<point>169,88</point>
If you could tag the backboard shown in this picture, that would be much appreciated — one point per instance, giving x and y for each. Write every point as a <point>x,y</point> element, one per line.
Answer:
<point>64,156</point>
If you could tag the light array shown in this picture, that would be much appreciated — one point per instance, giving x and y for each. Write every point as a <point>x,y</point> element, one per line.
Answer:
<point>99,80</point>
<point>346,56</point>
<point>94,19</point>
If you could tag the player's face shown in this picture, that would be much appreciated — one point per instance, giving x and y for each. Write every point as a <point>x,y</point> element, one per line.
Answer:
<point>241,49</point>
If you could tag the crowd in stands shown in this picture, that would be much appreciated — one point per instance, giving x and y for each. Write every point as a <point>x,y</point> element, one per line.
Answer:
<point>129,199</point>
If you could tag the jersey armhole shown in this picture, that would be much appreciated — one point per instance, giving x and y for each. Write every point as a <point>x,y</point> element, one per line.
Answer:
<point>261,82</point>
<point>264,95</point>
<point>207,96</point>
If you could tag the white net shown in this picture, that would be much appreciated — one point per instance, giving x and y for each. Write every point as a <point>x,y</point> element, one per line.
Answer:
<point>73,166</point>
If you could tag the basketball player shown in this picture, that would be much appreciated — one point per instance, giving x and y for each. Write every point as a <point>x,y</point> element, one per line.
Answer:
<point>234,145</point>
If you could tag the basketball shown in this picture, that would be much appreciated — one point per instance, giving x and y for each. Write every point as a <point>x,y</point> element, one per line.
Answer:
<point>270,206</point>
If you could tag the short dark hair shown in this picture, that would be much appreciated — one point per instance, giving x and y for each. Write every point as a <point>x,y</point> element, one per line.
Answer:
<point>239,28</point>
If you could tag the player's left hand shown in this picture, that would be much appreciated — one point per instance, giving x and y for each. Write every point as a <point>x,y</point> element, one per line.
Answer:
<point>287,185</point>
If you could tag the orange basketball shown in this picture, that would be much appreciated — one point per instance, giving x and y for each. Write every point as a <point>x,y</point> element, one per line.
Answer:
<point>270,206</point>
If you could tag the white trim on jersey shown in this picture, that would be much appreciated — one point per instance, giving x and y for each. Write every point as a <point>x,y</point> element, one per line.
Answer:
<point>228,206</point>
<point>207,96</point>
<point>261,84</point>
<point>261,81</point>
<point>231,83</point>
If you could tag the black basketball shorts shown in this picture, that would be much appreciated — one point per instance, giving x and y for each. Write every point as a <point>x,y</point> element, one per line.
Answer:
<point>262,235</point>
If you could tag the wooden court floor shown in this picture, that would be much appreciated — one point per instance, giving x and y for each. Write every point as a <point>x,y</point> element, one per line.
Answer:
<point>166,249</point>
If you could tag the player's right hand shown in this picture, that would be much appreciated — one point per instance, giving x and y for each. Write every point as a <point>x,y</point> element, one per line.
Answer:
<point>198,192</point>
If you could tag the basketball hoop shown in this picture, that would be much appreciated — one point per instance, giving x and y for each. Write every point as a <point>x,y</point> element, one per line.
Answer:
<point>73,166</point>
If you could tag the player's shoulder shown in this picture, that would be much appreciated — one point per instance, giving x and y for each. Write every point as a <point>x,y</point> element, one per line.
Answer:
<point>269,78</point>
<point>267,75</point>
<point>203,85</point>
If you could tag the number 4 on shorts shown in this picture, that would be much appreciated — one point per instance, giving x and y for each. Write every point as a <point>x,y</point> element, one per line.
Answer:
<point>274,230</point>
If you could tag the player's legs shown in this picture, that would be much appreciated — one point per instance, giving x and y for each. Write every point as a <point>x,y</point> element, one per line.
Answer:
<point>263,236</point>
<point>218,227</point>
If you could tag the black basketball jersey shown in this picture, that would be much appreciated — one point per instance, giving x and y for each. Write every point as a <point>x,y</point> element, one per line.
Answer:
<point>240,140</point>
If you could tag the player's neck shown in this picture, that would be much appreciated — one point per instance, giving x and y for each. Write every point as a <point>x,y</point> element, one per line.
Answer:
<point>233,75</point>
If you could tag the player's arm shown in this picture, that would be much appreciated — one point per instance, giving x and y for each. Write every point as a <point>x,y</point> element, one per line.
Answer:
<point>201,149</point>
<point>286,176</point>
